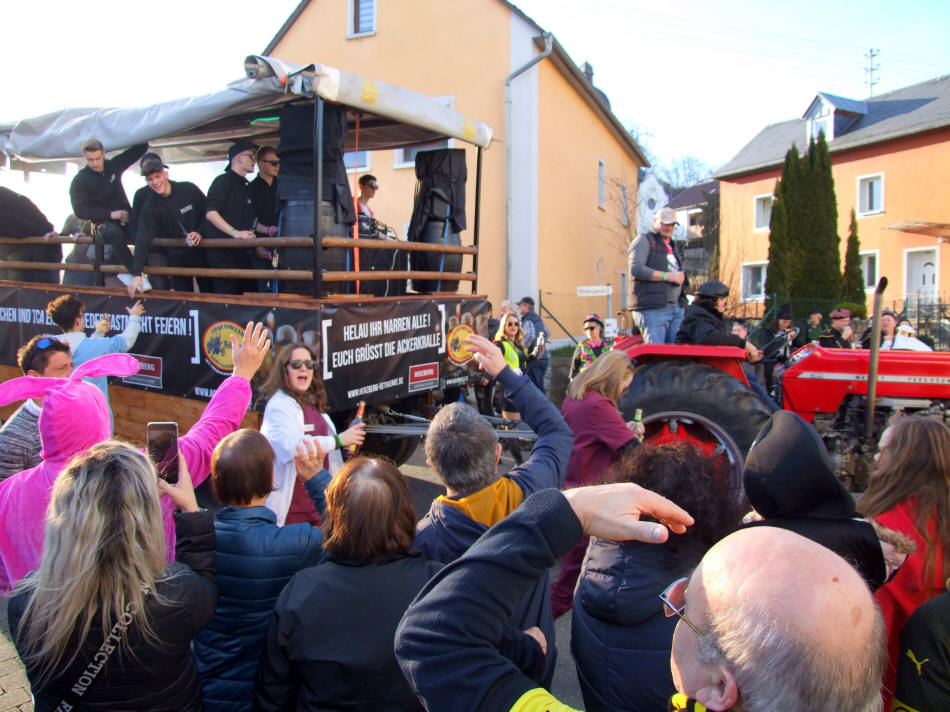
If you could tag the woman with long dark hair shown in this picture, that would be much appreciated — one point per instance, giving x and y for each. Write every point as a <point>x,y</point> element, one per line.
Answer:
<point>105,623</point>
<point>330,643</point>
<point>620,636</point>
<point>295,411</point>
<point>909,491</point>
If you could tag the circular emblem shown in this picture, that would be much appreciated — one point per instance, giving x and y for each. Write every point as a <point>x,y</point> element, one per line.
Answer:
<point>216,345</point>
<point>458,349</point>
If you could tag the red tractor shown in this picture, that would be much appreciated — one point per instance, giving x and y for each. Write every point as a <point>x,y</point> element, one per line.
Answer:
<point>701,394</point>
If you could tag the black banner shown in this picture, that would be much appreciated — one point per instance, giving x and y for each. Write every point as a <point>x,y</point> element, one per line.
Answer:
<point>375,351</point>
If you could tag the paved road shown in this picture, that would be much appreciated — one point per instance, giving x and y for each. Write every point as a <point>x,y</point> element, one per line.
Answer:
<point>15,692</point>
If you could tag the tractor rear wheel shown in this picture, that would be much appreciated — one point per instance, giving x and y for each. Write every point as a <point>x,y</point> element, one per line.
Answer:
<point>684,401</point>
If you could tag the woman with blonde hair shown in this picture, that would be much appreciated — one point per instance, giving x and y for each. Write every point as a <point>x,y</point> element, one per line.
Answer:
<point>105,623</point>
<point>600,438</point>
<point>510,339</point>
<point>909,491</point>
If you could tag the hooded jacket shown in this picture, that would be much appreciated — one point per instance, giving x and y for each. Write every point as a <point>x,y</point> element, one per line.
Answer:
<point>75,417</point>
<point>790,481</point>
<point>620,637</point>
<point>453,525</point>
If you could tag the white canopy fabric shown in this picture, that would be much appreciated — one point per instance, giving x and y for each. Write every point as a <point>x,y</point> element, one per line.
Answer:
<point>200,128</point>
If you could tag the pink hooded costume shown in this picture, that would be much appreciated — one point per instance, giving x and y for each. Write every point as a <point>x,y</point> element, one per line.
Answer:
<point>75,417</point>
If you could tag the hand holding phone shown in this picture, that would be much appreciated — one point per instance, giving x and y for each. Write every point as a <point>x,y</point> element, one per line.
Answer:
<point>162,441</point>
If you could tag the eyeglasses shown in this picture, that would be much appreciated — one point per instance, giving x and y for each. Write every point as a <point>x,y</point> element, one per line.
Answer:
<point>296,364</point>
<point>273,163</point>
<point>674,601</point>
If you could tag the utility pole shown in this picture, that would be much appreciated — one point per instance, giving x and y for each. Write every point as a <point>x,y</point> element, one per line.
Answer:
<point>870,76</point>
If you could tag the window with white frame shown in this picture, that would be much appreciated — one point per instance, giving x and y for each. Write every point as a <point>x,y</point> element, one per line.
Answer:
<point>753,281</point>
<point>406,157</point>
<point>601,183</point>
<point>624,218</point>
<point>871,194</point>
<point>356,161</point>
<point>361,18</point>
<point>763,211</point>
<point>869,263</point>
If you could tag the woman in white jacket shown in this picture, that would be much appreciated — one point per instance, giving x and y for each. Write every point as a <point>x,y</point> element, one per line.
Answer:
<point>294,413</point>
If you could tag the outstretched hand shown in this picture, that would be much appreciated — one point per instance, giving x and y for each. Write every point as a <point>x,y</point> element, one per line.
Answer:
<point>308,459</point>
<point>613,512</point>
<point>183,492</point>
<point>249,353</point>
<point>488,355</point>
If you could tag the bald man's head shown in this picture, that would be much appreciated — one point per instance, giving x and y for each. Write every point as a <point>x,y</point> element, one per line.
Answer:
<point>791,626</point>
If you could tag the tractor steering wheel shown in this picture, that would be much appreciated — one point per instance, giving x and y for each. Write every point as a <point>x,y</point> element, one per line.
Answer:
<point>772,349</point>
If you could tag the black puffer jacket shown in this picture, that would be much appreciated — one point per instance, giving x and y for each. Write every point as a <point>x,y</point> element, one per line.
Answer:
<point>703,324</point>
<point>161,676</point>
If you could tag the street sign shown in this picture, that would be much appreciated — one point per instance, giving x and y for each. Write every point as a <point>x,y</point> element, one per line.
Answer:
<point>596,290</point>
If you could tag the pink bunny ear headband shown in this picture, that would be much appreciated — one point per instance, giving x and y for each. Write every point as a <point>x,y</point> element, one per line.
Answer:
<point>37,387</point>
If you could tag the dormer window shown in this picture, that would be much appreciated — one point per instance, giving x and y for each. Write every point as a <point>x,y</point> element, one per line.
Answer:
<point>832,115</point>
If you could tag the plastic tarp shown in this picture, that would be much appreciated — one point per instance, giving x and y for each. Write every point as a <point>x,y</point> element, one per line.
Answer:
<point>199,128</point>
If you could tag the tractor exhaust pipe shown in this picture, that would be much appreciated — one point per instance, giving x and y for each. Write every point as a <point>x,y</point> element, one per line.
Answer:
<point>875,354</point>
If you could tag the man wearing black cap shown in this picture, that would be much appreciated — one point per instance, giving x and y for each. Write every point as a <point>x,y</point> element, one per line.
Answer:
<point>838,335</point>
<point>97,195</point>
<point>656,291</point>
<point>535,334</point>
<point>172,210</point>
<point>230,214</point>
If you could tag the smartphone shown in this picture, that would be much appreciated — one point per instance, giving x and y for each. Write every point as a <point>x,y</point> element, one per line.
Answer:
<point>162,441</point>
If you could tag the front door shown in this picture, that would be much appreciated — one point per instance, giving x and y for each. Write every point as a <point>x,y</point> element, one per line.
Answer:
<point>922,276</point>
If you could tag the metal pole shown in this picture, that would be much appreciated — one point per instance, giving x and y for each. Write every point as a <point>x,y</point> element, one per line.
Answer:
<point>317,284</point>
<point>875,354</point>
<point>478,205</point>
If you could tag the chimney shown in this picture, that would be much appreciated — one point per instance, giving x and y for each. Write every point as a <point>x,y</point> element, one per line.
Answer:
<point>588,71</point>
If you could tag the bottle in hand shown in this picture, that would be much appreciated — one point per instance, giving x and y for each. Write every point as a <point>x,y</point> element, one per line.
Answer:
<point>352,450</point>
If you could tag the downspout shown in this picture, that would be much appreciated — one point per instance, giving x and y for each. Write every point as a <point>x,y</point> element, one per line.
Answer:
<point>548,46</point>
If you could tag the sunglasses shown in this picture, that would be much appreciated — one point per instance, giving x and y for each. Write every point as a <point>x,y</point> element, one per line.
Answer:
<point>45,343</point>
<point>296,364</point>
<point>273,163</point>
<point>674,602</point>
<point>374,186</point>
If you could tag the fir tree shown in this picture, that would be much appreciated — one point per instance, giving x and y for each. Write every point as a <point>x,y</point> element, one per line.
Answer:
<point>853,276</point>
<point>777,277</point>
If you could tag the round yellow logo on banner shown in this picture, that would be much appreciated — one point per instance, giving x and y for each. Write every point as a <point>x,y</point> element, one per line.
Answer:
<point>216,344</point>
<point>458,349</point>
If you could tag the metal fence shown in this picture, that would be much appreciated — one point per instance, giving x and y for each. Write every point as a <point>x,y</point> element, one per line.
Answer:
<point>929,314</point>
<point>564,313</point>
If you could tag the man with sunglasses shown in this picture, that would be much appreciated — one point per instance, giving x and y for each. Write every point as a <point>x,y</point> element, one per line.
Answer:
<point>263,190</point>
<point>45,357</point>
<point>368,187</point>
<point>769,620</point>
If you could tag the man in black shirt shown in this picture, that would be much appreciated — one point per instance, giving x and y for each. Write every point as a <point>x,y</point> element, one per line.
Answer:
<point>97,195</point>
<point>230,214</point>
<point>264,196</point>
<point>172,210</point>
<point>19,217</point>
<point>838,335</point>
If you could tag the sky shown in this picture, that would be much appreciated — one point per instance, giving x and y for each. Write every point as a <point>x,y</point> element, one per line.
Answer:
<point>693,77</point>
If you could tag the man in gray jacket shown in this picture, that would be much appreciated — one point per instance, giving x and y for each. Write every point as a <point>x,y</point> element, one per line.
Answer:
<point>656,293</point>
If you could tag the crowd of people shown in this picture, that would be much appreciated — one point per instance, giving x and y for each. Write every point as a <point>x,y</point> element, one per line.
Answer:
<point>234,207</point>
<point>311,585</point>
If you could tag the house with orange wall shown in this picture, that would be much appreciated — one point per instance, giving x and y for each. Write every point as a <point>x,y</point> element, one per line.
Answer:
<point>559,183</point>
<point>891,163</point>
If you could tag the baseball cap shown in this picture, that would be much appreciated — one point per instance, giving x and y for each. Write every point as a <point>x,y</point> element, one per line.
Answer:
<point>151,163</point>
<point>240,147</point>
<point>527,300</point>
<point>666,216</point>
